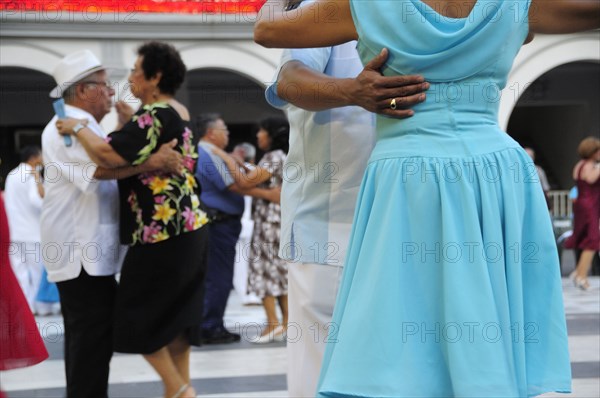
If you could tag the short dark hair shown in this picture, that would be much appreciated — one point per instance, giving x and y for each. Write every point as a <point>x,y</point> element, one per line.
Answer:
<point>203,122</point>
<point>278,129</point>
<point>163,57</point>
<point>28,152</point>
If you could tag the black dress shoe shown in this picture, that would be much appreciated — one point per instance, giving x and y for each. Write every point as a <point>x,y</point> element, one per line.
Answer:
<point>219,336</point>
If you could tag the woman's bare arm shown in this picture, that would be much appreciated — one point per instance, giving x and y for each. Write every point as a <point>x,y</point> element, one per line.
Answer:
<point>320,24</point>
<point>97,148</point>
<point>243,179</point>
<point>563,16</point>
<point>166,160</point>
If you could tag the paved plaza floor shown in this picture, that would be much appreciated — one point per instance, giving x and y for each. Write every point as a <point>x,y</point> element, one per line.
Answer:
<point>247,370</point>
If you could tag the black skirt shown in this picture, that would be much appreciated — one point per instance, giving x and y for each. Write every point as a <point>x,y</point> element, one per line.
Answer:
<point>161,293</point>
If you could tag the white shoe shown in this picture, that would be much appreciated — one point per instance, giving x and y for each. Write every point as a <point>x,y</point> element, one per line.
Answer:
<point>43,308</point>
<point>278,334</point>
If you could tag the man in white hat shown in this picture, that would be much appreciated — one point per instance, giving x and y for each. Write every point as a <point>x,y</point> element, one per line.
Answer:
<point>79,224</point>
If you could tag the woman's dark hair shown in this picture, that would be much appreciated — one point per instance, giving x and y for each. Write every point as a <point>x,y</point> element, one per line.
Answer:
<point>278,129</point>
<point>163,57</point>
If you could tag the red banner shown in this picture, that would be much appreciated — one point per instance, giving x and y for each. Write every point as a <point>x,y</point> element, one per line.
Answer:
<point>150,6</point>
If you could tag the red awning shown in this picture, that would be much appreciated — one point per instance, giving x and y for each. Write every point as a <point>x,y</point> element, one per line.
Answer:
<point>128,6</point>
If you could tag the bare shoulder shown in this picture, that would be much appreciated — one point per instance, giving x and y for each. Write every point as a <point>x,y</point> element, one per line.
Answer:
<point>590,172</point>
<point>180,109</point>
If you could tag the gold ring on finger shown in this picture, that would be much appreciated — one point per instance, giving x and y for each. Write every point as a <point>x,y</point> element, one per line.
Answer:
<point>393,104</point>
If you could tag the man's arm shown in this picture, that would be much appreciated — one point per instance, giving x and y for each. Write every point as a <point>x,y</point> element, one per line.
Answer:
<point>312,90</point>
<point>165,159</point>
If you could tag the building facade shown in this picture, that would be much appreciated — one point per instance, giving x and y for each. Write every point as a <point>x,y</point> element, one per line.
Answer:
<point>550,101</point>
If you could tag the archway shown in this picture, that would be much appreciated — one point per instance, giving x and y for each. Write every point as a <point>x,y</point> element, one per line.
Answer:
<point>554,113</point>
<point>25,111</point>
<point>239,99</point>
<point>545,53</point>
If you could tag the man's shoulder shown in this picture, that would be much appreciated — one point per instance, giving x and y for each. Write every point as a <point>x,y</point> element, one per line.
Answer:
<point>13,175</point>
<point>207,161</point>
<point>205,146</point>
<point>204,151</point>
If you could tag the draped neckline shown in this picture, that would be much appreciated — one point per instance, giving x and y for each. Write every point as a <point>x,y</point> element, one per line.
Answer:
<point>439,15</point>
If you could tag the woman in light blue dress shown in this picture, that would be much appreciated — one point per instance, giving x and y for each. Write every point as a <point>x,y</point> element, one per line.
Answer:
<point>451,285</point>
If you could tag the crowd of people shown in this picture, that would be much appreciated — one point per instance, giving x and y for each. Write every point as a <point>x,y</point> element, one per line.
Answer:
<point>143,222</point>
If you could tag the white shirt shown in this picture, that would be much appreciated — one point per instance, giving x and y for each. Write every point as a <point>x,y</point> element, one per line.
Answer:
<point>23,204</point>
<point>80,215</point>
<point>328,155</point>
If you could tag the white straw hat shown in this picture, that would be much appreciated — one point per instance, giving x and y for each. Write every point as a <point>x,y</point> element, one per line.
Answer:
<point>73,68</point>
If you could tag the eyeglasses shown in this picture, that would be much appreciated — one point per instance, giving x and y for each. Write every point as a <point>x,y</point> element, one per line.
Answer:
<point>106,84</point>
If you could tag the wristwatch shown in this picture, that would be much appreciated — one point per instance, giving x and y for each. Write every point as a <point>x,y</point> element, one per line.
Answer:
<point>78,127</point>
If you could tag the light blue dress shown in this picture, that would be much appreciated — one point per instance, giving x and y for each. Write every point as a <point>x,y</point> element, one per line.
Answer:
<point>451,286</point>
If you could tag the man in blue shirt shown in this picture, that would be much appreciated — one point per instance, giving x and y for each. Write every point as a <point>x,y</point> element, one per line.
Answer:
<point>223,185</point>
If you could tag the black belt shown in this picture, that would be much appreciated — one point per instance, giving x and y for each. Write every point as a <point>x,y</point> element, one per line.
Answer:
<point>219,216</point>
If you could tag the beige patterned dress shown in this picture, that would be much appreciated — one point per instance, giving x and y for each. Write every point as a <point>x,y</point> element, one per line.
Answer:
<point>267,274</point>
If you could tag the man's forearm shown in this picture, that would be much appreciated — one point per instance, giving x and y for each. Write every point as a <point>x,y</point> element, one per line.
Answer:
<point>311,90</point>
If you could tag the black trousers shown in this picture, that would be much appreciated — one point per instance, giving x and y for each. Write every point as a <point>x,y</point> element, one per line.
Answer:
<point>87,304</point>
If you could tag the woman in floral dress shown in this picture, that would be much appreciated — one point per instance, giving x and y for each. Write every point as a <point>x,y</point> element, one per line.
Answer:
<point>160,295</point>
<point>267,276</point>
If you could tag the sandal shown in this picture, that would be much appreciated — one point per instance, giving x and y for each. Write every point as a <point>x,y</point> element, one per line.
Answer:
<point>182,390</point>
<point>582,283</point>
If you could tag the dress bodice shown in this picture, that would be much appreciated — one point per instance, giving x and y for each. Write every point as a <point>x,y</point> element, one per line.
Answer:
<point>461,108</point>
<point>588,194</point>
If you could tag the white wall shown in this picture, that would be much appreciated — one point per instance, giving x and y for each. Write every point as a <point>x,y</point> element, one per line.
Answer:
<point>258,63</point>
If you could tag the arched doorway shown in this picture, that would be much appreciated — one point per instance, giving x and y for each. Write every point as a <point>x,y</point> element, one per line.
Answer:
<point>239,99</point>
<point>554,113</point>
<point>25,111</point>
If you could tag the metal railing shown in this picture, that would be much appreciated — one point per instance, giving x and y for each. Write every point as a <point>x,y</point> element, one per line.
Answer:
<point>561,206</point>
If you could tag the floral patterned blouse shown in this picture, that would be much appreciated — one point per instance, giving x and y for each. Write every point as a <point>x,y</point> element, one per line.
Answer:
<point>157,206</point>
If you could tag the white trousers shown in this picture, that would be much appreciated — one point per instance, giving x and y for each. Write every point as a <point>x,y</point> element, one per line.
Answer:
<point>26,261</point>
<point>312,289</point>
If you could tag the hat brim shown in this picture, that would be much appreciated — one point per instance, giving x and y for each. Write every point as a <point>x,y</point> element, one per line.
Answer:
<point>58,91</point>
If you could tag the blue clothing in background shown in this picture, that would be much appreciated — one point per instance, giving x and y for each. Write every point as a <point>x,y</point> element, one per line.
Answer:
<point>48,292</point>
<point>214,179</point>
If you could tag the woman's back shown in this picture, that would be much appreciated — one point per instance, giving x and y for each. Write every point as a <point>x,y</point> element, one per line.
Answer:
<point>466,60</point>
